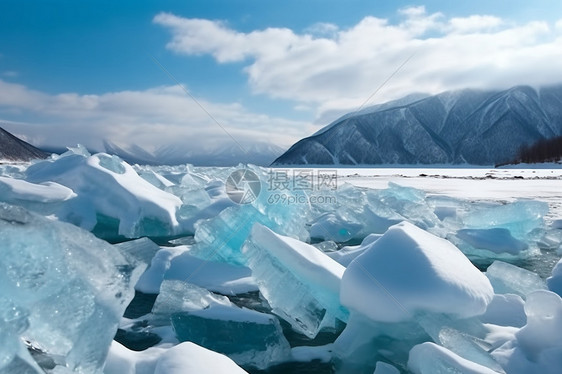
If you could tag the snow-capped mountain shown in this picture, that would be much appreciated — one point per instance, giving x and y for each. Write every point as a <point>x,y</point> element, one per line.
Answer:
<point>232,154</point>
<point>14,149</point>
<point>466,126</point>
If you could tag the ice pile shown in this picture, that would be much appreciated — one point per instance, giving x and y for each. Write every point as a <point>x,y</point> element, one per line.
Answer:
<point>63,291</point>
<point>221,238</point>
<point>111,196</point>
<point>502,231</point>
<point>359,212</point>
<point>250,285</point>
<point>300,282</point>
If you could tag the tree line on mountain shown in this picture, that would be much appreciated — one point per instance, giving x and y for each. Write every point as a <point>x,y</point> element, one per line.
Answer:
<point>544,150</point>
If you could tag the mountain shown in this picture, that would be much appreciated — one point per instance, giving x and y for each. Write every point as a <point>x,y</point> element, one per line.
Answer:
<point>233,154</point>
<point>456,127</point>
<point>13,148</point>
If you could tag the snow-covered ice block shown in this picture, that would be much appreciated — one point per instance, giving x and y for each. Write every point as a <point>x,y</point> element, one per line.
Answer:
<point>505,310</point>
<point>409,270</point>
<point>109,187</point>
<point>197,315</point>
<point>430,358</point>
<point>497,240</point>
<point>300,282</point>
<point>183,358</point>
<point>67,289</point>
<point>19,191</point>
<point>191,358</point>
<point>176,263</point>
<point>520,217</point>
<point>508,278</point>
<point>215,276</point>
<point>557,224</point>
<point>554,282</point>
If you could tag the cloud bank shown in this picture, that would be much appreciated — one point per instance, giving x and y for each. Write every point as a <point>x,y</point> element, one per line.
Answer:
<point>331,69</point>
<point>150,119</point>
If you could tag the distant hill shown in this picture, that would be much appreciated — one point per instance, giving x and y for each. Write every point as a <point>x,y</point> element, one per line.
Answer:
<point>457,127</point>
<point>14,149</point>
<point>262,154</point>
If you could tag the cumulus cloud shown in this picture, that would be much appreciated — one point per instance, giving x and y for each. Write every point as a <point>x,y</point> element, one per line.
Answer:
<point>150,119</point>
<point>335,72</point>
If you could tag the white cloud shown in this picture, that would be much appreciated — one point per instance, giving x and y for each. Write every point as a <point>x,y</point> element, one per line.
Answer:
<point>475,23</point>
<point>338,72</point>
<point>322,29</point>
<point>150,118</point>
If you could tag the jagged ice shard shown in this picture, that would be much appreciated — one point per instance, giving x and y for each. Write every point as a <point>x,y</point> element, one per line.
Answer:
<point>300,282</point>
<point>67,291</point>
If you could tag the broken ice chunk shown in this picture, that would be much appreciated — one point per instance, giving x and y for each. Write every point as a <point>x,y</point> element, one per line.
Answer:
<point>246,336</point>
<point>177,263</point>
<point>461,338</point>
<point>429,358</point>
<point>210,320</point>
<point>300,282</point>
<point>409,270</point>
<point>221,237</point>
<point>520,217</point>
<point>497,240</point>
<point>508,278</point>
<point>330,226</point>
<point>506,310</point>
<point>141,250</point>
<point>555,280</point>
<point>68,289</point>
<point>177,296</point>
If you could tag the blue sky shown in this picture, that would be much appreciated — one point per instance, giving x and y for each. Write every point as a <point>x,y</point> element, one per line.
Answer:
<point>268,71</point>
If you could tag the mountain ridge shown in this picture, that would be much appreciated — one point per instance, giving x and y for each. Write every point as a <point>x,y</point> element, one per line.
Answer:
<point>13,148</point>
<point>455,127</point>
